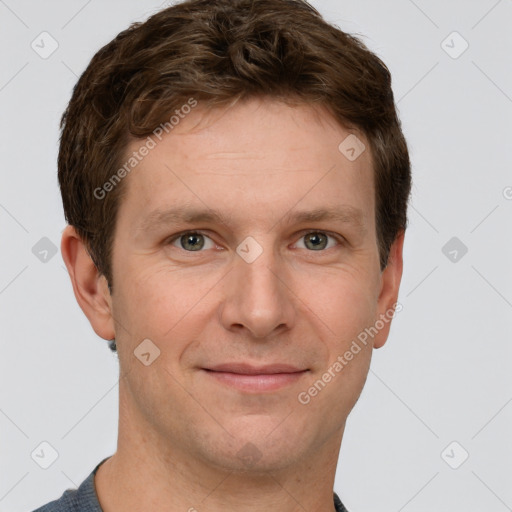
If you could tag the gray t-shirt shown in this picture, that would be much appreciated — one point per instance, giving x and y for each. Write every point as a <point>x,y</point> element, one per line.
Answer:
<point>84,499</point>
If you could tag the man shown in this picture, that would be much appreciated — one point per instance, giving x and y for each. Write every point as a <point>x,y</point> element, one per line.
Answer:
<point>235,181</point>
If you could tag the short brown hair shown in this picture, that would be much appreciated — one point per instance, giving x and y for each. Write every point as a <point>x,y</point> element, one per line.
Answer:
<point>219,51</point>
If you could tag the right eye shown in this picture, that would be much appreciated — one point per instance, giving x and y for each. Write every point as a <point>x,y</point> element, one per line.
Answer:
<point>190,241</point>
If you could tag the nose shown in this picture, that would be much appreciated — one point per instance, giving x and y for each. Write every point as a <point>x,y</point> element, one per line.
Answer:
<point>258,297</point>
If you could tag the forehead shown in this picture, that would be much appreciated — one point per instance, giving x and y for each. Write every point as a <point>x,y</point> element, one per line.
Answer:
<point>257,159</point>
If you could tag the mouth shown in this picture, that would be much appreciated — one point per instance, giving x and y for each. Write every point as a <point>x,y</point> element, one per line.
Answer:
<point>255,379</point>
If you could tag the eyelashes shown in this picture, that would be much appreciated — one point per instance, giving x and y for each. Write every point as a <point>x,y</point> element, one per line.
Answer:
<point>197,240</point>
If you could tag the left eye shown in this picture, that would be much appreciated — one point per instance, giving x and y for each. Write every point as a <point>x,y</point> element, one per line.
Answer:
<point>317,240</point>
<point>193,241</point>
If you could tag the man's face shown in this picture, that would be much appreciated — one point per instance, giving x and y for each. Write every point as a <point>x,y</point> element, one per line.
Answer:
<point>260,291</point>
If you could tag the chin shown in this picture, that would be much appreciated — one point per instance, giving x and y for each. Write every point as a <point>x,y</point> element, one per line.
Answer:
<point>260,448</point>
<point>249,458</point>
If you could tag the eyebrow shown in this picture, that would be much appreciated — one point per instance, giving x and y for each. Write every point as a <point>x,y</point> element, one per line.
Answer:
<point>344,214</point>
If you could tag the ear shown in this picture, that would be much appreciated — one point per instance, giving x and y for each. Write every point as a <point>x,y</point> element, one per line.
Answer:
<point>390,285</point>
<point>90,287</point>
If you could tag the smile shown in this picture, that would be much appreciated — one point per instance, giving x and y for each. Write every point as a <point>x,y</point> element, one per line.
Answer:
<point>254,379</point>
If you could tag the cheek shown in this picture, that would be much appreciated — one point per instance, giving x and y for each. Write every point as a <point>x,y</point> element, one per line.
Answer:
<point>351,306</point>
<point>329,397</point>
<point>345,301</point>
<point>158,303</point>
<point>347,306</point>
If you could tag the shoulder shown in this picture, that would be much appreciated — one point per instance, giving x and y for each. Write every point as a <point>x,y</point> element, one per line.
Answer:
<point>66,503</point>
<point>83,499</point>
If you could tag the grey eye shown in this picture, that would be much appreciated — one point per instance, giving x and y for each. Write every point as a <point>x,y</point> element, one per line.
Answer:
<point>316,240</point>
<point>191,241</point>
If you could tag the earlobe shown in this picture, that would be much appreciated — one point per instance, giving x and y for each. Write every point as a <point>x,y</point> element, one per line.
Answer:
<point>390,286</point>
<point>89,286</point>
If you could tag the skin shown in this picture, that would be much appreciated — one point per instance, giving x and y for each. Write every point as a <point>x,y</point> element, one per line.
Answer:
<point>180,429</point>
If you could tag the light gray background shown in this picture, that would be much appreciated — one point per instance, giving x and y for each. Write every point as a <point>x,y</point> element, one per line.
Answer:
<point>444,374</point>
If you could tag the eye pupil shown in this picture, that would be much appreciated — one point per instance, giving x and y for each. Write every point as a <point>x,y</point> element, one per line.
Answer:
<point>190,238</point>
<point>317,241</point>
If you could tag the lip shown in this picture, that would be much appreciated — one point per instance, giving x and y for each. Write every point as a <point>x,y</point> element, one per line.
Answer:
<point>255,379</point>
<point>248,369</point>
